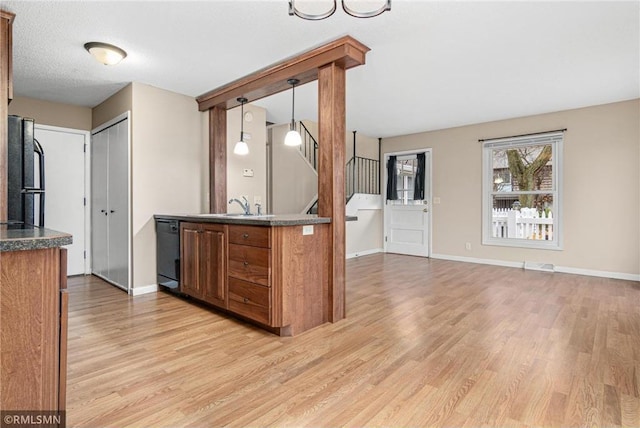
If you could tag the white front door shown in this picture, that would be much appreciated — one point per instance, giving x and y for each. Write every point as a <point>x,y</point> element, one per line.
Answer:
<point>407,221</point>
<point>65,180</point>
<point>407,229</point>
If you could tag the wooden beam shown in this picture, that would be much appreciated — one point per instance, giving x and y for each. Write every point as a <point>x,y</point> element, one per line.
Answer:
<point>217,160</point>
<point>331,172</point>
<point>327,64</point>
<point>6,93</point>
<point>345,51</point>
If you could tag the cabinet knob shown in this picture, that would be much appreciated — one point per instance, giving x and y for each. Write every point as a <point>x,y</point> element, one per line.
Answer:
<point>245,300</point>
<point>246,263</point>
<point>245,235</point>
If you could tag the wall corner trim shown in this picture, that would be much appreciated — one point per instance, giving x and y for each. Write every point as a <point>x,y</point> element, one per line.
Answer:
<point>138,291</point>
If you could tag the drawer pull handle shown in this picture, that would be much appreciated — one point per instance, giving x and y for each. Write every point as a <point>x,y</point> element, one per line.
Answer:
<point>245,300</point>
<point>246,263</point>
<point>245,235</point>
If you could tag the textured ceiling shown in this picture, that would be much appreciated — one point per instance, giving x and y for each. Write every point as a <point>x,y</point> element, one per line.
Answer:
<point>432,65</point>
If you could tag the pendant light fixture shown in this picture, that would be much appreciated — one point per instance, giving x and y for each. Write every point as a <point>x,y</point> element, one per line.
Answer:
<point>322,9</point>
<point>293,137</point>
<point>241,148</point>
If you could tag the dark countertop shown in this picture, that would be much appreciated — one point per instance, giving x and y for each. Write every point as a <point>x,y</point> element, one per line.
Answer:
<point>19,237</point>
<point>255,220</point>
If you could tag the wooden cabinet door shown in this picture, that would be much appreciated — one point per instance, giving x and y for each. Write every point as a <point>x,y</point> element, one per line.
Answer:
<point>212,264</point>
<point>190,259</point>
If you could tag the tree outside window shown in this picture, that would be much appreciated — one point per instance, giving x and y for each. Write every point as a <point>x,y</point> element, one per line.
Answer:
<point>521,186</point>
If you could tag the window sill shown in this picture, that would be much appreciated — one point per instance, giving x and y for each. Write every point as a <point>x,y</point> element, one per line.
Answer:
<point>533,244</point>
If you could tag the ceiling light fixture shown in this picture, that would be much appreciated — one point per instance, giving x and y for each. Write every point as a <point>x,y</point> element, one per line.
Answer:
<point>105,53</point>
<point>293,137</point>
<point>314,11</point>
<point>241,148</point>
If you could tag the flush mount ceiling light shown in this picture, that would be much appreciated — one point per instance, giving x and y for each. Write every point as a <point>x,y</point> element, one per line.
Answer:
<point>315,10</point>
<point>293,137</point>
<point>241,148</point>
<point>105,53</point>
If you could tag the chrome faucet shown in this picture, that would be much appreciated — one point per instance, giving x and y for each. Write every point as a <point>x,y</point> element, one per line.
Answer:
<point>246,207</point>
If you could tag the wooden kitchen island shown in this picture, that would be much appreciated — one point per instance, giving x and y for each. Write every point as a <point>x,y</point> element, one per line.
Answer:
<point>33,316</point>
<point>270,270</point>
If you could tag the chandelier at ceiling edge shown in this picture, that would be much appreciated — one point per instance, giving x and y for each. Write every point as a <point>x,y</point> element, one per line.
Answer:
<point>293,10</point>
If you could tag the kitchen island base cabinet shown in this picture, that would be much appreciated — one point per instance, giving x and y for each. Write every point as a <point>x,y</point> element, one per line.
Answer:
<point>275,276</point>
<point>33,337</point>
<point>203,254</point>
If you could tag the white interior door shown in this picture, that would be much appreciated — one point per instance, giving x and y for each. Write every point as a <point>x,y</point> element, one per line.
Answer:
<point>110,202</point>
<point>99,204</point>
<point>408,221</point>
<point>118,183</point>
<point>65,179</point>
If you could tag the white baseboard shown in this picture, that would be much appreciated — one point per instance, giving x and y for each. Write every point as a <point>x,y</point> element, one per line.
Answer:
<point>478,261</point>
<point>560,269</point>
<point>364,253</point>
<point>137,291</point>
<point>598,273</point>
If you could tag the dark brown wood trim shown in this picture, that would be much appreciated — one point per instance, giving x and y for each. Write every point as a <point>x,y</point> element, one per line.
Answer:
<point>331,185</point>
<point>6,93</point>
<point>217,160</point>
<point>345,51</point>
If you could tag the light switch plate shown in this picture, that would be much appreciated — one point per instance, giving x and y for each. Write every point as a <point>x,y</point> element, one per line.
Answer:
<point>247,172</point>
<point>307,230</point>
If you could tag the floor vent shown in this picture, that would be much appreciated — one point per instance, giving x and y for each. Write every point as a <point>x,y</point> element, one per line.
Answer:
<point>544,267</point>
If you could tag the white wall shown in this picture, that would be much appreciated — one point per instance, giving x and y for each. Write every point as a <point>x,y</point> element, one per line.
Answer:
<point>237,184</point>
<point>166,160</point>
<point>294,181</point>
<point>601,188</point>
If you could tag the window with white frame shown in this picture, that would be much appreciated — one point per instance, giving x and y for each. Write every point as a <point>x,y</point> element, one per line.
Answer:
<point>521,184</point>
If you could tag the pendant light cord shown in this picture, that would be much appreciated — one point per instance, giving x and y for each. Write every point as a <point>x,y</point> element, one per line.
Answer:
<point>293,106</point>
<point>242,121</point>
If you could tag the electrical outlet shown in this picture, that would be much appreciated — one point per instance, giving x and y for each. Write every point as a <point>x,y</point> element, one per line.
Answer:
<point>468,246</point>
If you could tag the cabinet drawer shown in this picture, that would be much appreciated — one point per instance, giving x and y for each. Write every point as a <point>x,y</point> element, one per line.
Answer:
<point>250,264</point>
<point>249,300</point>
<point>250,235</point>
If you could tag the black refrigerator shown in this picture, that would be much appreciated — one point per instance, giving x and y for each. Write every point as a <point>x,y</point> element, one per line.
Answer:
<point>25,193</point>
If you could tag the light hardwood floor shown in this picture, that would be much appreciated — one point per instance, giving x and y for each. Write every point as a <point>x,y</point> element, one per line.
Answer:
<point>425,343</point>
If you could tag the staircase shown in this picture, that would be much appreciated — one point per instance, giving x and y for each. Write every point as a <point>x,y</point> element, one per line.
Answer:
<point>362,174</point>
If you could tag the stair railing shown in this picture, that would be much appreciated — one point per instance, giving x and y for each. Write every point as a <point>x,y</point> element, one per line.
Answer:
<point>309,146</point>
<point>362,176</point>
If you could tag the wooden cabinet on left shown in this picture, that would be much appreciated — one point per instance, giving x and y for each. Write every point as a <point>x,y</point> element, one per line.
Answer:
<point>33,337</point>
<point>6,28</point>
<point>6,92</point>
<point>203,255</point>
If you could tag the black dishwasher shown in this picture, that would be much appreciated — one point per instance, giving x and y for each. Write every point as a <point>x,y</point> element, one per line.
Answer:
<point>168,254</point>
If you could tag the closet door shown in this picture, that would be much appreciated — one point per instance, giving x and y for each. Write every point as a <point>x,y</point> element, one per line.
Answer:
<point>110,203</point>
<point>118,196</point>
<point>99,204</point>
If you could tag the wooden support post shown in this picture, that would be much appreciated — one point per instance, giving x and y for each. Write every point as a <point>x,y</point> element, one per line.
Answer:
<point>6,94</point>
<point>218,160</point>
<point>331,178</point>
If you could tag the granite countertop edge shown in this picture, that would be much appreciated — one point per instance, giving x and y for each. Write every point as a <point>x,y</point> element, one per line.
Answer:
<point>275,220</point>
<point>32,239</point>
